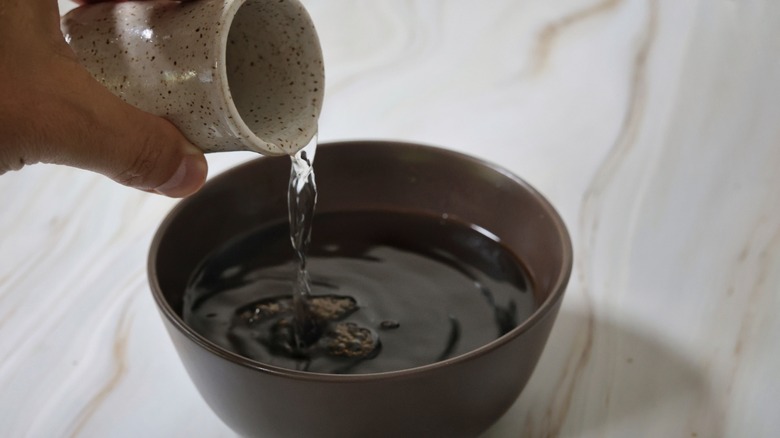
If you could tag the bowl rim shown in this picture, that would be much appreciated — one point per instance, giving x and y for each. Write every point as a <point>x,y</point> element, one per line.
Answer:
<point>558,287</point>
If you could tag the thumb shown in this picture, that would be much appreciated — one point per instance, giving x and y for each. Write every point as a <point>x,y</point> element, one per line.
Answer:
<point>98,131</point>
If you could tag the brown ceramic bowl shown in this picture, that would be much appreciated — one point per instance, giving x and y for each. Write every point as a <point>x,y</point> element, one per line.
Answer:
<point>459,397</point>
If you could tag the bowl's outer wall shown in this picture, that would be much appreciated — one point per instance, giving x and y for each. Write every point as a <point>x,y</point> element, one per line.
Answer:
<point>460,399</point>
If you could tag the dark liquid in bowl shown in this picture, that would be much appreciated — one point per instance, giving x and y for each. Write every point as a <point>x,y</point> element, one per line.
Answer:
<point>390,291</point>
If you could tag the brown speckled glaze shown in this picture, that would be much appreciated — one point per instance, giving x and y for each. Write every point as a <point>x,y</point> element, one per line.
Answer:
<point>231,74</point>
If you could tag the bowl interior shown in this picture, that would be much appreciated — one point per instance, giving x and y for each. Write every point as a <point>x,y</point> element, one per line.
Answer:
<point>366,176</point>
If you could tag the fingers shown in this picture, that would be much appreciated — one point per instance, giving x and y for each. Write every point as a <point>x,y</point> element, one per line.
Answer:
<point>86,2</point>
<point>138,150</point>
<point>69,118</point>
<point>129,146</point>
<point>53,111</point>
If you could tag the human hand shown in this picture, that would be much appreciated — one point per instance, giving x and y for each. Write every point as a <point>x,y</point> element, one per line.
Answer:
<point>53,111</point>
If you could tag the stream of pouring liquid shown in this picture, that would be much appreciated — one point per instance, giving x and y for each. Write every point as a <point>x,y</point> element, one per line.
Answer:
<point>301,201</point>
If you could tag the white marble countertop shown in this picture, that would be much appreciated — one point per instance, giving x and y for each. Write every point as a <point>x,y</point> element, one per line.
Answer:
<point>652,125</point>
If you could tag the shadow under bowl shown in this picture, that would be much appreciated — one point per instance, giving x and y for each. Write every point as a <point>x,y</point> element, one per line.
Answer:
<point>461,396</point>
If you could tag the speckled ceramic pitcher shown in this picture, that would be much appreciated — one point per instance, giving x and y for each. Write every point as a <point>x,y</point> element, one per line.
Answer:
<point>231,74</point>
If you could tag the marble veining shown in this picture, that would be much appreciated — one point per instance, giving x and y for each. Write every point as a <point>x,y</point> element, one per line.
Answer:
<point>592,199</point>
<point>650,124</point>
<point>550,32</point>
<point>119,356</point>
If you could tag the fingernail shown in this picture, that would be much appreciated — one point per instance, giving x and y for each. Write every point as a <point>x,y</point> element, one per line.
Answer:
<point>189,176</point>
